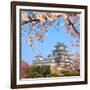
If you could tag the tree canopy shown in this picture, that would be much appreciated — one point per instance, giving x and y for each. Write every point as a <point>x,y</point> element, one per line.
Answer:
<point>40,22</point>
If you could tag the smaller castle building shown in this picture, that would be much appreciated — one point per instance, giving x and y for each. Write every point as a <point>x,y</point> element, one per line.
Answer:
<point>40,60</point>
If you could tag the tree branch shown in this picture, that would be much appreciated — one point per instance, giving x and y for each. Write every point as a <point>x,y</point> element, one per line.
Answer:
<point>70,23</point>
<point>31,20</point>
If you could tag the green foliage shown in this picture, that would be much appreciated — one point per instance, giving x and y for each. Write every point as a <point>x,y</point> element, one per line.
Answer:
<point>45,71</point>
<point>65,73</point>
<point>71,73</point>
<point>40,71</point>
<point>58,74</point>
<point>35,75</point>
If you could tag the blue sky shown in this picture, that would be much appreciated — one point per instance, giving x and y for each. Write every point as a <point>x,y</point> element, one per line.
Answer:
<point>45,48</point>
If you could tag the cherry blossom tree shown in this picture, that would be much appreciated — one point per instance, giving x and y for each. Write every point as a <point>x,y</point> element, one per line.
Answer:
<point>24,69</point>
<point>40,22</point>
